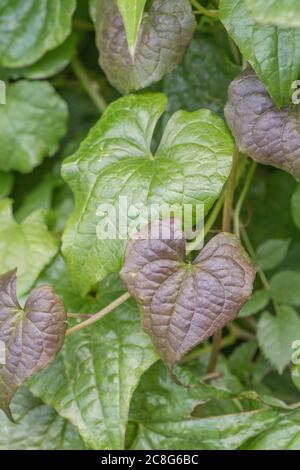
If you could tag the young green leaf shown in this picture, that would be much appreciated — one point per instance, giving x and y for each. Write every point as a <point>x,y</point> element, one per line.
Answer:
<point>276,335</point>
<point>38,427</point>
<point>6,184</point>
<point>268,135</point>
<point>202,79</point>
<point>92,381</point>
<point>32,123</point>
<point>271,253</point>
<point>28,246</point>
<point>272,51</point>
<point>282,13</point>
<point>29,29</point>
<point>162,411</point>
<point>285,287</point>
<point>191,165</point>
<point>183,304</point>
<point>257,302</point>
<point>30,338</point>
<point>156,51</point>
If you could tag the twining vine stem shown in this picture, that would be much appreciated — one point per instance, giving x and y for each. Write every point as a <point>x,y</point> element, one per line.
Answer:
<point>227,216</point>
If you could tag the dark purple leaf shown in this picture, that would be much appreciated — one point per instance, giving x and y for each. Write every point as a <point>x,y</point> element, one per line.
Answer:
<point>165,32</point>
<point>30,338</point>
<point>182,303</point>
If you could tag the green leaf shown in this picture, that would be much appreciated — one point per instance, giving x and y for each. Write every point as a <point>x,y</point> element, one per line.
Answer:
<point>38,427</point>
<point>40,197</point>
<point>256,303</point>
<point>31,125</point>
<point>296,206</point>
<point>162,411</point>
<point>271,253</point>
<point>296,372</point>
<point>164,34</point>
<point>27,246</point>
<point>202,79</point>
<point>93,9</point>
<point>270,202</point>
<point>6,184</point>
<point>276,335</point>
<point>93,379</point>
<point>282,13</point>
<point>30,337</point>
<point>272,51</point>
<point>183,303</point>
<point>132,14</point>
<point>285,287</point>
<point>29,29</point>
<point>191,165</point>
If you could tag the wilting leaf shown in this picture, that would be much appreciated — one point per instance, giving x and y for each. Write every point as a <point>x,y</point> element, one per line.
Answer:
<point>38,427</point>
<point>276,335</point>
<point>30,338</point>
<point>190,166</point>
<point>29,29</point>
<point>93,378</point>
<point>32,123</point>
<point>279,12</point>
<point>272,51</point>
<point>265,133</point>
<point>28,246</point>
<point>182,304</point>
<point>165,31</point>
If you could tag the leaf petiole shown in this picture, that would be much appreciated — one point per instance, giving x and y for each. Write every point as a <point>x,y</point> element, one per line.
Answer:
<point>97,316</point>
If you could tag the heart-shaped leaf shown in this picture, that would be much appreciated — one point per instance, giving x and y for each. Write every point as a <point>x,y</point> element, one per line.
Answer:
<point>267,134</point>
<point>165,31</point>
<point>182,303</point>
<point>190,166</point>
<point>30,338</point>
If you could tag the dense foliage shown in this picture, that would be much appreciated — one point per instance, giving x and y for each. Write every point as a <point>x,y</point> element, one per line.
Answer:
<point>107,343</point>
